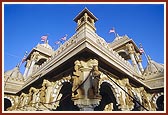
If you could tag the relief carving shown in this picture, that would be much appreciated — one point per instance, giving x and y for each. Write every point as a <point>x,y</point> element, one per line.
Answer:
<point>145,100</point>
<point>77,81</point>
<point>130,48</point>
<point>22,100</point>
<point>129,100</point>
<point>95,82</point>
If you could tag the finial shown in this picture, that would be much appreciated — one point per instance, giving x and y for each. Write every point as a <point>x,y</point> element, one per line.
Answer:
<point>18,65</point>
<point>46,42</point>
<point>126,35</point>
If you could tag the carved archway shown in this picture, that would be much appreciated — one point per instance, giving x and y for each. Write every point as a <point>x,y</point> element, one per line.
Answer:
<point>8,102</point>
<point>65,103</point>
<point>123,54</point>
<point>160,103</point>
<point>108,97</point>
<point>158,100</point>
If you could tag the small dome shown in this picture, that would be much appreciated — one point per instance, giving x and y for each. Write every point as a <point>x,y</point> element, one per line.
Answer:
<point>153,68</point>
<point>46,45</point>
<point>14,73</point>
<point>121,37</point>
<point>118,37</point>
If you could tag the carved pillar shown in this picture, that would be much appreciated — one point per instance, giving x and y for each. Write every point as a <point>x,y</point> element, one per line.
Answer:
<point>131,52</point>
<point>27,68</point>
<point>31,67</point>
<point>79,22</point>
<point>25,72</point>
<point>34,58</point>
<point>139,62</point>
<point>86,85</point>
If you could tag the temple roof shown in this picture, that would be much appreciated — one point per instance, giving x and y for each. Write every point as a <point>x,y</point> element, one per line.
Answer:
<point>85,10</point>
<point>153,68</point>
<point>44,48</point>
<point>120,41</point>
<point>14,73</point>
<point>46,45</point>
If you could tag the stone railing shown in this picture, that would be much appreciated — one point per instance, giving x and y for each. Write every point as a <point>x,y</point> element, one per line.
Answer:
<point>101,42</point>
<point>63,47</point>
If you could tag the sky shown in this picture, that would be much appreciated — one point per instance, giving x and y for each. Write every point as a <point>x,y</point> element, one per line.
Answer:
<point>24,24</point>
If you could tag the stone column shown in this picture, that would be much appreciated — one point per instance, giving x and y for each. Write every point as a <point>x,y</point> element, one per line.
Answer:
<point>31,68</point>
<point>33,59</point>
<point>139,62</point>
<point>25,72</point>
<point>27,69</point>
<point>131,52</point>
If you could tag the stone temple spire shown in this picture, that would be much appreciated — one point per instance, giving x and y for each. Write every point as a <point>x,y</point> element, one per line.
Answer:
<point>85,19</point>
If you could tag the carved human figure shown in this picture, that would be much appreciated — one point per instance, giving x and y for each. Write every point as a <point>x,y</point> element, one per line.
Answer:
<point>153,105</point>
<point>95,81</point>
<point>34,92</point>
<point>121,99</point>
<point>30,97</point>
<point>42,93</point>
<point>77,81</point>
<point>76,75</point>
<point>145,101</point>
<point>22,100</point>
<point>129,100</point>
<point>48,91</point>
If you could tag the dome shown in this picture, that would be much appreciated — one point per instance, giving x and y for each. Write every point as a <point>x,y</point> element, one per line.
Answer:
<point>14,73</point>
<point>153,68</point>
<point>46,45</point>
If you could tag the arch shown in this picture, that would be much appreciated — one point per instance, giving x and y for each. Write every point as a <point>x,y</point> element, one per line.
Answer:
<point>82,19</point>
<point>66,104</point>
<point>89,20</point>
<point>123,54</point>
<point>114,88</point>
<point>7,104</point>
<point>160,103</point>
<point>10,98</point>
<point>41,61</point>
<point>108,97</point>
<point>158,100</point>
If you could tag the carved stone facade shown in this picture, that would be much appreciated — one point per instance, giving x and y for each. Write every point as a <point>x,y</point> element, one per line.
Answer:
<point>86,74</point>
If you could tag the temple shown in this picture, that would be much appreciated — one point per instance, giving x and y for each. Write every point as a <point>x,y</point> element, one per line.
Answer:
<point>86,74</point>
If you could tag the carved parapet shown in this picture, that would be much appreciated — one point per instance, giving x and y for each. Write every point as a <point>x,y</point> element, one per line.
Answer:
<point>126,95</point>
<point>103,43</point>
